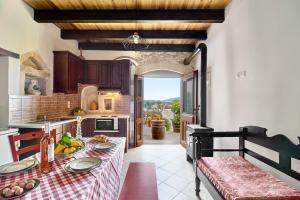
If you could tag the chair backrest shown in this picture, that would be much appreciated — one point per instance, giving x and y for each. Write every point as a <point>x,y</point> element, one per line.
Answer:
<point>279,143</point>
<point>26,136</point>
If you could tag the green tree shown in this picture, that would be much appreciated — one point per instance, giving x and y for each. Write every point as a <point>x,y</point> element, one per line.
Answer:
<point>175,108</point>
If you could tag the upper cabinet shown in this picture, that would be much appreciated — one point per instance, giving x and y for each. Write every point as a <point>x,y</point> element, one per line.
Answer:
<point>91,72</point>
<point>68,72</point>
<point>109,74</point>
<point>105,74</point>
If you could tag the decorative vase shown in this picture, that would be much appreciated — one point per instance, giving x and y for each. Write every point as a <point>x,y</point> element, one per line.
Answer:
<point>94,106</point>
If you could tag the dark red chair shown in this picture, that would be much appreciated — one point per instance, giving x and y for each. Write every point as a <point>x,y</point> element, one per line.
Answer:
<point>26,136</point>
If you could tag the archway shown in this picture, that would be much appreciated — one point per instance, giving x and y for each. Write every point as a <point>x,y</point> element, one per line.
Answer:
<point>161,89</point>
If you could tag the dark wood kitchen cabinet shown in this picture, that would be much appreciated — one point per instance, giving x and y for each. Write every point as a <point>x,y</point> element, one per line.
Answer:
<point>109,74</point>
<point>68,72</point>
<point>91,72</point>
<point>88,126</point>
<point>116,75</point>
<point>126,78</point>
<point>105,74</point>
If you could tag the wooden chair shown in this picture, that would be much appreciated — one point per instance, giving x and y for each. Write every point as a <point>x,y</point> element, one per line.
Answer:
<point>26,136</point>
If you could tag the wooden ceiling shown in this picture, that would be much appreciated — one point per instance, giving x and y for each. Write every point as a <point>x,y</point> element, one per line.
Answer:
<point>180,19</point>
<point>127,4</point>
<point>132,26</point>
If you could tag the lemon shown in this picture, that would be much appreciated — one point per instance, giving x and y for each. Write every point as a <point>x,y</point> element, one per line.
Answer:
<point>69,150</point>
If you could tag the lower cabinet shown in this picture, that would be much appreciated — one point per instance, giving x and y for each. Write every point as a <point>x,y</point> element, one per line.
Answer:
<point>88,129</point>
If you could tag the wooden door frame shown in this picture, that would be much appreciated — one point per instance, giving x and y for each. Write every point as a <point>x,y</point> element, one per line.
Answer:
<point>189,118</point>
<point>138,121</point>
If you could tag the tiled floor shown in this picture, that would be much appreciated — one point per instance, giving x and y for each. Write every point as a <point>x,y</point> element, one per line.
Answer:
<point>175,176</point>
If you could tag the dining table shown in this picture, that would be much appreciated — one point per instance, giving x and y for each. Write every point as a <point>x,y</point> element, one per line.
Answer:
<point>101,183</point>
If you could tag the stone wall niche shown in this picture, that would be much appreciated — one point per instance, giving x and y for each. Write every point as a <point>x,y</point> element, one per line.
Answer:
<point>34,69</point>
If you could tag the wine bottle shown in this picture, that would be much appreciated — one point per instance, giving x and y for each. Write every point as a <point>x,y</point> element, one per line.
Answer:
<point>47,150</point>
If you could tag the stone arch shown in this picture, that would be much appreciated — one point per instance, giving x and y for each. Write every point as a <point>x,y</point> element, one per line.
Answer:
<point>162,70</point>
<point>166,61</point>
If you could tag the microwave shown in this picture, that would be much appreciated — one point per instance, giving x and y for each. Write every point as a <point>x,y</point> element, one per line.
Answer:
<point>106,124</point>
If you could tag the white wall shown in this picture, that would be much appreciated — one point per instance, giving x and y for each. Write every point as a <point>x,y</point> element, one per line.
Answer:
<point>263,38</point>
<point>20,33</point>
<point>4,63</point>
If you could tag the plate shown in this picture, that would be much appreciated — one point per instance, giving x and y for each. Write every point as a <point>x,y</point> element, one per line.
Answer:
<point>37,182</point>
<point>84,164</point>
<point>16,166</point>
<point>104,146</point>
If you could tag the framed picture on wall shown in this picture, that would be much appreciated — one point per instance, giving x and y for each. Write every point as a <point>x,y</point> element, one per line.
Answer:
<point>107,104</point>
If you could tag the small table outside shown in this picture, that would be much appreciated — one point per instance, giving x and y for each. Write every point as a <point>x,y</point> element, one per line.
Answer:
<point>101,183</point>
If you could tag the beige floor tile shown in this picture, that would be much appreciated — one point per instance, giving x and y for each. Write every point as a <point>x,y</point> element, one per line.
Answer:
<point>166,192</point>
<point>162,175</point>
<point>182,196</point>
<point>175,176</point>
<point>177,182</point>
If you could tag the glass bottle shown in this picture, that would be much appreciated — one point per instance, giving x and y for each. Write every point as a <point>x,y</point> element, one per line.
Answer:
<point>78,128</point>
<point>47,150</point>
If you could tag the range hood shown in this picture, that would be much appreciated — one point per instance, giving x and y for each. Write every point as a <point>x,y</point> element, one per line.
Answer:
<point>108,91</point>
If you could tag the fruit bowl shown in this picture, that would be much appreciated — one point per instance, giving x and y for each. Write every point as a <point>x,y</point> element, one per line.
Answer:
<point>68,146</point>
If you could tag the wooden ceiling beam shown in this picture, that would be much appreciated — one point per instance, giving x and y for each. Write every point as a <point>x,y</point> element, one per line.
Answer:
<point>152,47</point>
<point>129,16</point>
<point>147,34</point>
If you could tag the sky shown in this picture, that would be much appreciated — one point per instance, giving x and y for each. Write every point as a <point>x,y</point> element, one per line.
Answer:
<point>161,88</point>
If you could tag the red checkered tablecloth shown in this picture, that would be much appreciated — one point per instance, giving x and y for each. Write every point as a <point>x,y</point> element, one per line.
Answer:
<point>101,183</point>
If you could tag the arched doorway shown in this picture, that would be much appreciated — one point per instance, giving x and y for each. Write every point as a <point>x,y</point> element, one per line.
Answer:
<point>158,89</point>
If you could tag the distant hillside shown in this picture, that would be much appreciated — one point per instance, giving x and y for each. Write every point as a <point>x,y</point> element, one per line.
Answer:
<point>164,101</point>
<point>171,99</point>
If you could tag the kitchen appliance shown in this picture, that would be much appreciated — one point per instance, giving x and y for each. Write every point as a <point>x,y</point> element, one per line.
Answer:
<point>206,143</point>
<point>106,124</point>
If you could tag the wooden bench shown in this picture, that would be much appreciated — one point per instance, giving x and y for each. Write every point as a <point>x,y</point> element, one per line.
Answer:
<point>140,182</point>
<point>228,183</point>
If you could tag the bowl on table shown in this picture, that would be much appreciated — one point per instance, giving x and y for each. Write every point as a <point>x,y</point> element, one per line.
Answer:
<point>68,146</point>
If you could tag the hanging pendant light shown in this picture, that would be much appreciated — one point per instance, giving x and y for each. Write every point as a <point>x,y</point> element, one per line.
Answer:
<point>135,43</point>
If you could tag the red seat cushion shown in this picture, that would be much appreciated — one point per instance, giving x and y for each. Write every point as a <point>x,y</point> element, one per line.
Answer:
<point>140,182</point>
<point>238,179</point>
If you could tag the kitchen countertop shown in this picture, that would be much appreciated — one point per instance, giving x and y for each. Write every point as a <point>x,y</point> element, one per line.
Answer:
<point>105,115</point>
<point>8,131</point>
<point>63,120</point>
<point>40,124</point>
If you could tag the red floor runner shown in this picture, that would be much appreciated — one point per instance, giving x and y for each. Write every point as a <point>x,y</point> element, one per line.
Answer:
<point>140,182</point>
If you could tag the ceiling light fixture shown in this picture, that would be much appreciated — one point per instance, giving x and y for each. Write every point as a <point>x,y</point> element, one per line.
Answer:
<point>135,42</point>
